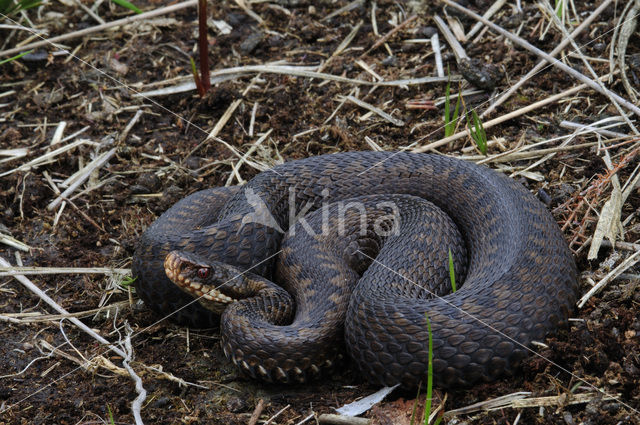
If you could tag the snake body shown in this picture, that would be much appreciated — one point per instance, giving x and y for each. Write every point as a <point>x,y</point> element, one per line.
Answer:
<point>519,284</point>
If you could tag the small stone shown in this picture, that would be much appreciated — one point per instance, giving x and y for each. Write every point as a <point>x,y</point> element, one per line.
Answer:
<point>427,31</point>
<point>390,61</point>
<point>483,75</point>
<point>251,42</point>
<point>149,180</point>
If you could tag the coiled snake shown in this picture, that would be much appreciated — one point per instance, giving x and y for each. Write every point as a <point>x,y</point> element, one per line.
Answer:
<point>519,276</point>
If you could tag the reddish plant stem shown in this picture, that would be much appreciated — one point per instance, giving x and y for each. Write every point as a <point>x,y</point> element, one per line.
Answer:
<point>203,45</point>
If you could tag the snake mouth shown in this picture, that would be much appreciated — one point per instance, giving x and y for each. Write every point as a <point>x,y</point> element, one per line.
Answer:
<point>188,274</point>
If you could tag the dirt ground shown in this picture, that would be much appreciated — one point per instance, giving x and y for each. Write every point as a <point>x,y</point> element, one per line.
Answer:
<point>53,373</point>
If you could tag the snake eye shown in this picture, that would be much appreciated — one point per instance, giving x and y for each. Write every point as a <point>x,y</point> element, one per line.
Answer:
<point>203,273</point>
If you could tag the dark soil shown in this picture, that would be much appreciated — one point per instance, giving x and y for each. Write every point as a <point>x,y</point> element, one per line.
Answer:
<point>163,158</point>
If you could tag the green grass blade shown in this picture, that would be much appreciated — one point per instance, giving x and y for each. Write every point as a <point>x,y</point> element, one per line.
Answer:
<point>415,407</point>
<point>18,56</point>
<point>127,282</point>
<point>559,8</point>
<point>126,4</point>
<point>28,4</point>
<point>427,405</point>
<point>110,413</point>
<point>482,135</point>
<point>477,131</point>
<point>450,120</point>
<point>7,7</point>
<point>456,112</point>
<point>196,78</point>
<point>452,272</point>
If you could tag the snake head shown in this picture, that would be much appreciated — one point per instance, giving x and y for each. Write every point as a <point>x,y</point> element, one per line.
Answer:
<point>213,283</point>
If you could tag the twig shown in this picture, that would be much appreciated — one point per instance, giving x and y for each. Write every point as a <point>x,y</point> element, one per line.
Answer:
<point>347,8</point>
<point>130,125</point>
<point>457,48</point>
<point>630,261</point>
<point>298,71</point>
<point>84,175</point>
<point>256,413</point>
<point>377,111</point>
<point>277,414</point>
<point>33,288</point>
<point>343,45</point>
<point>588,66</point>
<point>46,157</point>
<point>627,246</point>
<point>525,44</point>
<point>328,418</point>
<point>13,271</point>
<point>97,28</point>
<point>437,53</point>
<point>592,128</point>
<point>13,242</point>
<point>203,46</point>
<point>388,35</point>
<point>487,15</point>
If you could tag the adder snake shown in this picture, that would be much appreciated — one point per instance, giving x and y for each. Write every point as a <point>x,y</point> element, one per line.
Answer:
<point>519,276</point>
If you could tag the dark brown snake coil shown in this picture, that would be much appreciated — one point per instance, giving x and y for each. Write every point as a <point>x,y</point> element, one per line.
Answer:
<point>519,276</point>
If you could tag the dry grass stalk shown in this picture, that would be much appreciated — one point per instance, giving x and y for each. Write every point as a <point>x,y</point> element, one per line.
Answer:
<point>35,317</point>
<point>540,65</point>
<point>237,165</point>
<point>457,48</point>
<point>499,120</point>
<point>493,9</point>
<point>388,35</point>
<point>375,110</point>
<point>11,241</point>
<point>98,28</point>
<point>349,7</point>
<point>591,127</point>
<point>57,135</point>
<point>520,400</point>
<point>437,54</point>
<point>622,34</point>
<point>525,44</point>
<point>296,71</point>
<point>38,292</point>
<point>13,271</point>
<point>83,176</point>
<point>621,268</point>
<point>47,157</point>
<point>588,66</point>
<point>343,45</point>
<point>577,212</point>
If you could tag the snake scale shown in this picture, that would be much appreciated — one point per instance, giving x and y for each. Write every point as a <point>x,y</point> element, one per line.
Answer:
<point>369,289</point>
